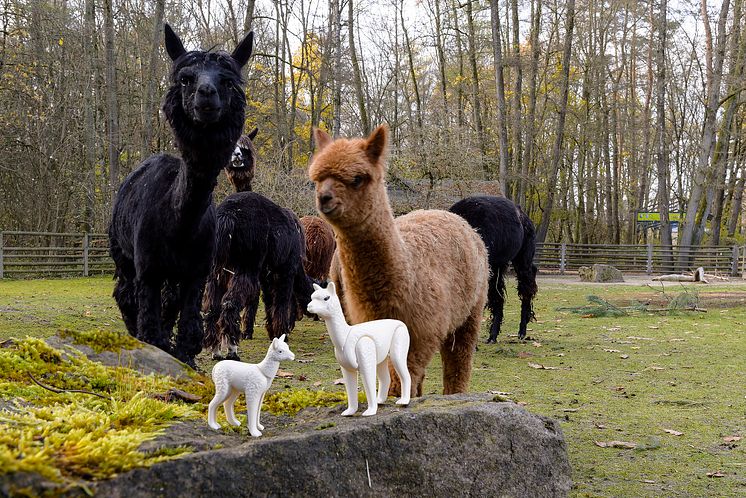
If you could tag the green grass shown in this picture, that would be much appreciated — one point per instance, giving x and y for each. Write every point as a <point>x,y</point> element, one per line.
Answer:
<point>627,379</point>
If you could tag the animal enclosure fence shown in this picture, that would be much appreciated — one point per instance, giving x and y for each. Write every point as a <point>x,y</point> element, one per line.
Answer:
<point>36,254</point>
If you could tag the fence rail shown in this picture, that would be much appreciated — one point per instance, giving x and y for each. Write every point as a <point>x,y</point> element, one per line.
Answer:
<point>27,254</point>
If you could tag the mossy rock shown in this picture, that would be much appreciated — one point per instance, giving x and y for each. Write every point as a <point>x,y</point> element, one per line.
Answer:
<point>600,273</point>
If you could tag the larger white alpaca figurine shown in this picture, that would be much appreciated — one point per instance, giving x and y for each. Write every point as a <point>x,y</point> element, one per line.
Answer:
<point>231,378</point>
<point>364,347</point>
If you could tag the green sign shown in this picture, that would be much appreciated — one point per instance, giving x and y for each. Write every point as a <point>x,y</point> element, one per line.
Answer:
<point>653,216</point>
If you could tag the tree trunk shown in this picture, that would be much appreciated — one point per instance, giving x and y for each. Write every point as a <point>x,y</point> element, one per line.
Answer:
<point>521,197</point>
<point>714,76</point>
<point>151,103</point>
<point>517,128</point>
<point>546,215</point>
<point>356,77</point>
<point>501,107</point>
<point>476,100</point>
<point>661,152</point>
<point>112,97</point>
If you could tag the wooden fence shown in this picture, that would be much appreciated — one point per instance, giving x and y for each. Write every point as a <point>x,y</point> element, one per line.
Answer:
<point>32,254</point>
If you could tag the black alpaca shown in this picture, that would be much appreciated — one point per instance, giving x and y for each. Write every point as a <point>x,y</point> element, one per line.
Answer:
<point>162,232</point>
<point>259,246</point>
<point>510,237</point>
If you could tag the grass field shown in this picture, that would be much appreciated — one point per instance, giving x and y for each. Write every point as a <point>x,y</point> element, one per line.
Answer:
<point>673,384</point>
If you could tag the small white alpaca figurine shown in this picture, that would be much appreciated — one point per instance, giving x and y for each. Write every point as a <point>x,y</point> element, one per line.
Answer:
<point>231,378</point>
<point>364,347</point>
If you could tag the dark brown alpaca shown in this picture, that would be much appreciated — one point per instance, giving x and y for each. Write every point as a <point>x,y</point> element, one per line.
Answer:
<point>427,268</point>
<point>240,171</point>
<point>320,245</point>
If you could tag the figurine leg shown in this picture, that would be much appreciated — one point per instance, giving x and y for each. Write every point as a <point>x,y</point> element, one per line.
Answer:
<point>350,378</point>
<point>228,406</point>
<point>259,411</point>
<point>222,393</point>
<point>365,349</point>
<point>384,380</point>
<point>253,400</point>
<point>398,354</point>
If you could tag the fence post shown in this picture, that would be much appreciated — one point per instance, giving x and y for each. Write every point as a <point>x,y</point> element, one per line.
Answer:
<point>734,262</point>
<point>649,266</point>
<point>563,256</point>
<point>85,254</point>
<point>2,272</point>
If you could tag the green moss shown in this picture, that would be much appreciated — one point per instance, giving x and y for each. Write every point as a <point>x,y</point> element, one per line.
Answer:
<point>292,401</point>
<point>66,436</point>
<point>102,340</point>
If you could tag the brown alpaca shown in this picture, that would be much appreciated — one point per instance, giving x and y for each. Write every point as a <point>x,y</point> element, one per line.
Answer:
<point>320,245</point>
<point>427,268</point>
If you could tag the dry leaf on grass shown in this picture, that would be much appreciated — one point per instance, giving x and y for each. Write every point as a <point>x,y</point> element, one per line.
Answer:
<point>338,382</point>
<point>624,445</point>
<point>715,474</point>
<point>317,383</point>
<point>673,432</point>
<point>541,367</point>
<point>524,354</point>
<point>612,350</point>
<point>732,439</point>
<point>285,375</point>
<point>536,344</point>
<point>305,361</point>
<point>624,356</point>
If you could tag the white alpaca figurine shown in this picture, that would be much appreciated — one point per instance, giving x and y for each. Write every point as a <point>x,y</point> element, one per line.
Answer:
<point>231,378</point>
<point>364,347</point>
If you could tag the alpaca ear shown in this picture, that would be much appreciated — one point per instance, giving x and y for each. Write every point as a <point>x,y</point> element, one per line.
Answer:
<point>330,287</point>
<point>174,47</point>
<point>243,51</point>
<point>375,146</point>
<point>321,138</point>
<point>253,133</point>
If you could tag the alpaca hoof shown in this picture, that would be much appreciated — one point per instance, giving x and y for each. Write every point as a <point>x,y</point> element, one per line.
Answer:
<point>217,357</point>
<point>232,356</point>
<point>370,411</point>
<point>491,340</point>
<point>349,412</point>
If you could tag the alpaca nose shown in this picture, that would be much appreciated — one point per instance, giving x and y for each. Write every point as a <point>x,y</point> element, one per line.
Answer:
<point>325,197</point>
<point>206,90</point>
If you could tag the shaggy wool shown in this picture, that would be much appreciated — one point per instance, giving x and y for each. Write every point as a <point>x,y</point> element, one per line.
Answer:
<point>428,269</point>
<point>320,246</point>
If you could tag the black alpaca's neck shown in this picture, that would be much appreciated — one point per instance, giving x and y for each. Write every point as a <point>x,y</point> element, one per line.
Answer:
<point>204,152</point>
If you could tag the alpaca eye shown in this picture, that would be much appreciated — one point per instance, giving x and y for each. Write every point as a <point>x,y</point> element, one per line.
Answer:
<point>327,298</point>
<point>357,181</point>
<point>185,80</point>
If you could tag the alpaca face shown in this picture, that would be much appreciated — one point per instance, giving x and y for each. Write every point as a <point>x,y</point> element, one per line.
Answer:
<point>242,166</point>
<point>324,302</point>
<point>207,83</point>
<point>279,349</point>
<point>349,176</point>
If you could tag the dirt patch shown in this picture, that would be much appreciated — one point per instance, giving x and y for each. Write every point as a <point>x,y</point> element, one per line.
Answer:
<point>729,299</point>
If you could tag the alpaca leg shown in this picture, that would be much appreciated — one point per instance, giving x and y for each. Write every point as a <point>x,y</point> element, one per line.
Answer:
<point>214,291</point>
<point>126,297</point>
<point>457,352</point>
<point>222,393</point>
<point>281,306</point>
<point>496,302</point>
<point>149,314</point>
<point>384,380</point>
<point>527,289</point>
<point>190,336</point>
<point>248,296</point>
<point>350,379</point>
<point>248,319</point>
<point>398,354</point>
<point>229,404</point>
<point>231,305</point>
<point>169,306</point>
<point>365,350</point>
<point>253,400</point>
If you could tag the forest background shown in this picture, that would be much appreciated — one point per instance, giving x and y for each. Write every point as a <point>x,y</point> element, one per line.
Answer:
<point>584,112</point>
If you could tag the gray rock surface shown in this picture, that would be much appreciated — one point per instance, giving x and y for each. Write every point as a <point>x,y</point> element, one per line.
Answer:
<point>448,446</point>
<point>146,359</point>
<point>600,273</point>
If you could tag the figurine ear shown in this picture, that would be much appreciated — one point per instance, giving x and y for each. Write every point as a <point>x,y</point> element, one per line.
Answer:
<point>281,338</point>
<point>316,287</point>
<point>330,287</point>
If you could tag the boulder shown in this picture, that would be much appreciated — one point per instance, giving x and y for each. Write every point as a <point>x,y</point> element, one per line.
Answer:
<point>145,358</point>
<point>460,445</point>
<point>600,273</point>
